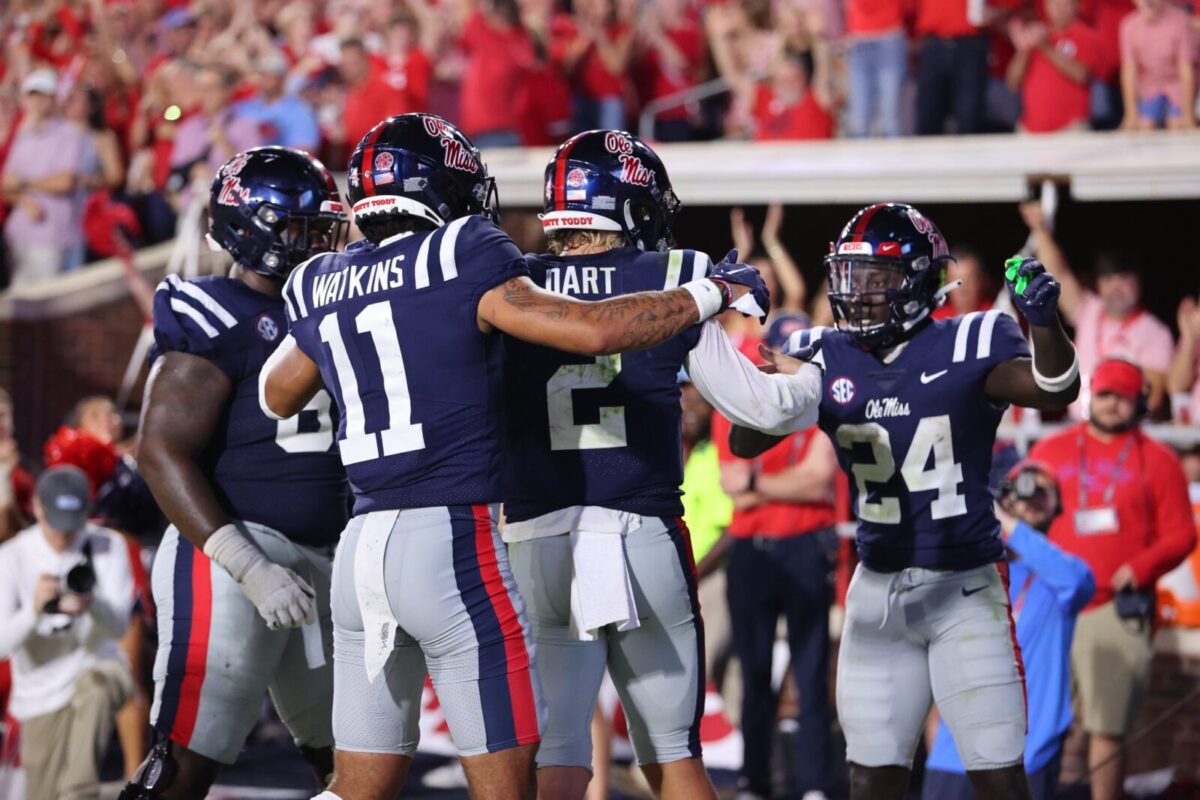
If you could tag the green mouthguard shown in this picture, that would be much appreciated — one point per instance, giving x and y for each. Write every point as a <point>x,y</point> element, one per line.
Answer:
<point>1010,273</point>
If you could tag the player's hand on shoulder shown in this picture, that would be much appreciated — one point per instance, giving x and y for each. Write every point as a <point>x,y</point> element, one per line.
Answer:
<point>745,289</point>
<point>1034,290</point>
<point>790,359</point>
<point>283,598</point>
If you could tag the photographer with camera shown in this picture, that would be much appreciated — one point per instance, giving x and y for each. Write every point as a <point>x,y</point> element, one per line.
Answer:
<point>1126,513</point>
<point>1046,588</point>
<point>66,595</point>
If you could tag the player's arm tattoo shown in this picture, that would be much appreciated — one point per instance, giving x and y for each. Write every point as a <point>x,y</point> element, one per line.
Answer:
<point>629,322</point>
<point>1013,381</point>
<point>184,401</point>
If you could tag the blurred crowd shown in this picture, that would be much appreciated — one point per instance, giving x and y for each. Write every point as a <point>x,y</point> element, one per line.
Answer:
<point>764,531</point>
<point>111,109</point>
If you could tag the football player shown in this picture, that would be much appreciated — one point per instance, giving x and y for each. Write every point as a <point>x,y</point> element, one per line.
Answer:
<point>912,406</point>
<point>256,505</point>
<point>592,499</point>
<point>404,329</point>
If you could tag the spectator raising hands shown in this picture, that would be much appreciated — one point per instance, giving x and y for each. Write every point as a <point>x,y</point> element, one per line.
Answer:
<point>1182,378</point>
<point>1053,68</point>
<point>1109,321</point>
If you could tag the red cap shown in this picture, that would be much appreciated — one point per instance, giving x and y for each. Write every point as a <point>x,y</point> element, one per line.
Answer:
<point>1117,376</point>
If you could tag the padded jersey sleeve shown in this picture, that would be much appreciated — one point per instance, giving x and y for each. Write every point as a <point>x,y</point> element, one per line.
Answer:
<point>189,317</point>
<point>1000,338</point>
<point>476,250</point>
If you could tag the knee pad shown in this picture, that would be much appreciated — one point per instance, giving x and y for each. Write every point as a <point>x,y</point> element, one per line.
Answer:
<point>154,776</point>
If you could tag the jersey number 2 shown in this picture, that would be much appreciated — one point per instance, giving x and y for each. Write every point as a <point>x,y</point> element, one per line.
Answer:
<point>401,435</point>
<point>560,405</point>
<point>932,435</point>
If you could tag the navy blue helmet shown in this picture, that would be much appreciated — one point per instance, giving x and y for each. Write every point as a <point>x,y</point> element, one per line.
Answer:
<point>273,208</point>
<point>419,165</point>
<point>611,181</point>
<point>885,273</point>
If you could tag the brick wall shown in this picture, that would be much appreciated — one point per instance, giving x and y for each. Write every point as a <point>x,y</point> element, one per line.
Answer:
<point>1176,742</point>
<point>49,364</point>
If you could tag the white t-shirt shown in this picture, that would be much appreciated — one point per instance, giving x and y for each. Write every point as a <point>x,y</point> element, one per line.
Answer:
<point>50,651</point>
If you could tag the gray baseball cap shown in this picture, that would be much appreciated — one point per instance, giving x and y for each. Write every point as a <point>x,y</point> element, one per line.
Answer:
<point>66,498</point>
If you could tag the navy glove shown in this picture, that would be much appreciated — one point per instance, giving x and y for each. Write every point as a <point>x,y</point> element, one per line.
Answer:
<point>757,302</point>
<point>1034,290</point>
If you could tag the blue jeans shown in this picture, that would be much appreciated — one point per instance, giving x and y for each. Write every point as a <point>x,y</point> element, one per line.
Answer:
<point>793,576</point>
<point>592,113</point>
<point>876,68</point>
<point>501,138</point>
<point>952,78</point>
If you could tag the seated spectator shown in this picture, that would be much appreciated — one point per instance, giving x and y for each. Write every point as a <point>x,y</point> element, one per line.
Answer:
<point>1183,379</point>
<point>16,484</point>
<point>952,71</point>
<point>499,59</point>
<point>790,104</point>
<point>41,179</point>
<point>65,600</point>
<point>215,132</point>
<point>1158,67</point>
<point>671,58</point>
<point>1111,320</point>
<point>1053,68</point>
<point>1126,512</point>
<point>594,49</point>
<point>976,292</point>
<point>1047,588</point>
<point>875,66</point>
<point>283,118</point>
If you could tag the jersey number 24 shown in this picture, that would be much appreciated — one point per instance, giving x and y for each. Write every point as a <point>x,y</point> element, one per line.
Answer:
<point>932,436</point>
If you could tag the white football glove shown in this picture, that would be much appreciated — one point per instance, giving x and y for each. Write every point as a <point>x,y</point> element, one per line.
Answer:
<point>283,598</point>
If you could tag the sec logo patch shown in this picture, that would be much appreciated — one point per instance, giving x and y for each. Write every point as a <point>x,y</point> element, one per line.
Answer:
<point>842,390</point>
<point>267,329</point>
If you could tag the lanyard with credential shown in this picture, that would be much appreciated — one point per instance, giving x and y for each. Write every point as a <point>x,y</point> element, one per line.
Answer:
<point>1112,483</point>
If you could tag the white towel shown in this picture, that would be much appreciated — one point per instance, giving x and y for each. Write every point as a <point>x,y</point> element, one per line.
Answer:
<point>601,591</point>
<point>370,587</point>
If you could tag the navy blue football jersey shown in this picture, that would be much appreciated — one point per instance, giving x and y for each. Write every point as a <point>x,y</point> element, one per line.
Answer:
<point>284,475</point>
<point>915,436</point>
<point>393,329</point>
<point>598,431</point>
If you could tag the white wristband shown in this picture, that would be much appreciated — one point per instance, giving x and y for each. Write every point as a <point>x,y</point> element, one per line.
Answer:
<point>231,549</point>
<point>708,297</point>
<point>1058,383</point>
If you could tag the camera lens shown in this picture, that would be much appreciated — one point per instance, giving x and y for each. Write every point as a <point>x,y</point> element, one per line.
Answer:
<point>81,579</point>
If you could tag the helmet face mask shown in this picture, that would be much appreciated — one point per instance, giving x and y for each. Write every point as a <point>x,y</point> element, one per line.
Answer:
<point>885,272</point>
<point>272,208</point>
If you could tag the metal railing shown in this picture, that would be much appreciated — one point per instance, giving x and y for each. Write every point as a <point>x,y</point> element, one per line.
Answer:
<point>693,94</point>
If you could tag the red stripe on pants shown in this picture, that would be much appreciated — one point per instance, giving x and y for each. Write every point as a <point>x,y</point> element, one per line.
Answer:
<point>197,650</point>
<point>1002,567</point>
<point>520,681</point>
